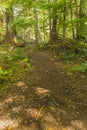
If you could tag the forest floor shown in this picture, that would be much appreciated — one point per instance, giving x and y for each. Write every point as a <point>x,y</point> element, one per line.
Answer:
<point>46,98</point>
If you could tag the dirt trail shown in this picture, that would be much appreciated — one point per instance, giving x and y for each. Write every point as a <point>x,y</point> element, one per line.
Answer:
<point>27,106</point>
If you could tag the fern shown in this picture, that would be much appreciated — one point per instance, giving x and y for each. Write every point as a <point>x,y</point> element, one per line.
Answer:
<point>80,68</point>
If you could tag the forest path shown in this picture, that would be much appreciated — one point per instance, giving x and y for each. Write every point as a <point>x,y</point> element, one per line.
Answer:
<point>45,98</point>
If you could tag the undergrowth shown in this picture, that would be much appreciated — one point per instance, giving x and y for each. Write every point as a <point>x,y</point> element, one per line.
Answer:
<point>72,54</point>
<point>13,64</point>
<point>80,68</point>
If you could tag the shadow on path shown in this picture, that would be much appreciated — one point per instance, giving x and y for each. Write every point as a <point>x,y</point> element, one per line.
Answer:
<point>46,98</point>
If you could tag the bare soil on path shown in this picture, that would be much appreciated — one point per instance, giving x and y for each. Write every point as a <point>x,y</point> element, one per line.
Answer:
<point>46,98</point>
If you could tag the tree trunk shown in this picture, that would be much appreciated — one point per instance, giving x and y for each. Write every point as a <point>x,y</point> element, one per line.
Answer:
<point>50,20</point>
<point>71,14</point>
<point>10,32</point>
<point>82,16</point>
<point>77,18</point>
<point>64,24</point>
<point>36,26</point>
<point>58,28</point>
<point>53,35</point>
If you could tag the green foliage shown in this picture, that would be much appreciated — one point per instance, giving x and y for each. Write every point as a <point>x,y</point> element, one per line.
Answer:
<point>25,59</point>
<point>2,32</point>
<point>13,65</point>
<point>18,54</point>
<point>28,65</point>
<point>84,51</point>
<point>80,68</point>
<point>84,32</point>
<point>2,72</point>
<point>69,56</point>
<point>23,22</point>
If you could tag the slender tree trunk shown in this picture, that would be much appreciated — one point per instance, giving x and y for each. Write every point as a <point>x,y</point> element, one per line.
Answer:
<point>43,28</point>
<point>58,26</point>
<point>36,26</point>
<point>77,23</point>
<point>64,24</point>
<point>50,20</point>
<point>82,16</point>
<point>53,35</point>
<point>28,35</point>
<point>71,14</point>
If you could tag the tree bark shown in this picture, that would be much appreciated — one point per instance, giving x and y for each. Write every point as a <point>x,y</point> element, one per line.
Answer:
<point>50,20</point>
<point>82,16</point>
<point>36,26</point>
<point>71,14</point>
<point>64,24</point>
<point>10,32</point>
<point>53,34</point>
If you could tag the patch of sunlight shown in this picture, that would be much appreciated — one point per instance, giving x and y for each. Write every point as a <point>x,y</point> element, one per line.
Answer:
<point>42,92</point>
<point>79,124</point>
<point>51,123</point>
<point>11,48</point>
<point>17,98</point>
<point>32,112</point>
<point>6,101</point>
<point>17,109</point>
<point>76,125</point>
<point>12,99</point>
<point>8,123</point>
<point>50,118</point>
<point>52,127</point>
<point>20,84</point>
<point>68,128</point>
<point>3,52</point>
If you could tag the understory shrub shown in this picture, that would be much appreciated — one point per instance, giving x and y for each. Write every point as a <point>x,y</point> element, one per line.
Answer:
<point>13,64</point>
